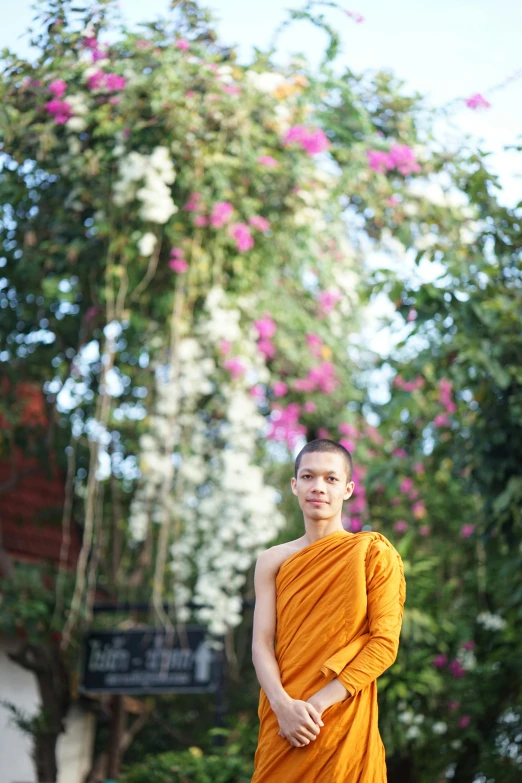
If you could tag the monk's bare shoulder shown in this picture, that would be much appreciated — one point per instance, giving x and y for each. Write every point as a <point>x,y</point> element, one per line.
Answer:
<point>273,558</point>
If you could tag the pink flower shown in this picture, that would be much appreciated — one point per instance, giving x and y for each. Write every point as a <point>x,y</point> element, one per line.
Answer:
<point>418,510</point>
<point>90,42</point>
<point>98,54</point>
<point>412,315</point>
<point>441,420</point>
<point>221,214</point>
<point>279,389</point>
<point>393,201</point>
<point>328,299</point>
<point>142,44</point>
<point>453,705</point>
<point>96,80</point>
<point>399,453</point>
<point>401,526</point>
<point>348,444</point>
<point>322,432</point>
<point>234,366</point>
<point>403,158</point>
<point>440,661</point>
<point>266,326</point>
<point>406,485</point>
<point>269,161</point>
<point>310,407</point>
<point>348,429</point>
<point>113,82</point>
<point>267,348</point>
<point>257,392</point>
<point>231,89</point>
<point>190,94</point>
<point>477,101</point>
<point>200,221</point>
<point>312,140</point>
<point>60,110</point>
<point>413,494</point>
<point>194,202</point>
<point>225,346</point>
<point>259,222</point>
<point>58,87</point>
<point>467,530</point>
<point>357,18</point>
<point>314,343</point>
<point>468,645</point>
<point>285,426</point>
<point>304,385</point>
<point>178,265</point>
<point>378,160</point>
<point>425,530</point>
<point>177,252</point>
<point>355,525</point>
<point>456,669</point>
<point>419,468</point>
<point>241,233</point>
<point>464,721</point>
<point>182,44</point>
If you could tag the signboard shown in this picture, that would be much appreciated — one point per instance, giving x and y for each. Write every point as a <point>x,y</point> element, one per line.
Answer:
<point>150,660</point>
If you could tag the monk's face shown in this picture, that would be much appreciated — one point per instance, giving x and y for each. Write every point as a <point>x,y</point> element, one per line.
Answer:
<point>322,484</point>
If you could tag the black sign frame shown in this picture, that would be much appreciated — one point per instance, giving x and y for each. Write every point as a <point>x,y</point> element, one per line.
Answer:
<point>148,660</point>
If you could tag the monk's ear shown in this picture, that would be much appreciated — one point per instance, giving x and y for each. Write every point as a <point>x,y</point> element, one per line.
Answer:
<point>294,485</point>
<point>349,490</point>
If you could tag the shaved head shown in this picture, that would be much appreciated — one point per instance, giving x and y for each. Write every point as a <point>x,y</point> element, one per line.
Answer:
<point>325,445</point>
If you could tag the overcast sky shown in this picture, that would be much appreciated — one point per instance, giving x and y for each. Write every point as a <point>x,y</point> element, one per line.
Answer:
<point>444,49</point>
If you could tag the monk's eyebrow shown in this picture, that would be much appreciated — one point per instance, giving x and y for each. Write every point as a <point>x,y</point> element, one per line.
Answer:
<point>326,473</point>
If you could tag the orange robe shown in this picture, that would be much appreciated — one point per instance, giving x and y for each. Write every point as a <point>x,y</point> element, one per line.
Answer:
<point>339,605</point>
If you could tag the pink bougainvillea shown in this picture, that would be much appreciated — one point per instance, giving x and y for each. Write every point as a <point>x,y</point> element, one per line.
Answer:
<point>266,326</point>
<point>477,101</point>
<point>315,344</point>
<point>178,265</point>
<point>268,160</point>
<point>284,424</point>
<point>182,44</point>
<point>200,221</point>
<point>467,530</point>
<point>399,157</point>
<point>399,453</point>
<point>425,530</point>
<point>406,485</point>
<point>456,669</point>
<point>58,87</point>
<point>194,202</point>
<point>310,406</point>
<point>221,213</point>
<point>261,223</point>
<point>279,389</point>
<point>440,661</point>
<point>60,110</point>
<point>311,140</point>
<point>234,366</point>
<point>327,300</point>
<point>400,526</point>
<point>243,238</point>
<point>418,510</point>
<point>464,721</point>
<point>267,348</point>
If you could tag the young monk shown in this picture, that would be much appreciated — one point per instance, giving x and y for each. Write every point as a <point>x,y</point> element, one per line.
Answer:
<point>333,602</point>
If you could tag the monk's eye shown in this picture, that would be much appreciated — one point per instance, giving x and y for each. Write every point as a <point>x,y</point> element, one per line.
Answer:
<point>333,479</point>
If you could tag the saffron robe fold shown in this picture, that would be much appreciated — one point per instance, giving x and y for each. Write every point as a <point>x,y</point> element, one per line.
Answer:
<point>339,609</point>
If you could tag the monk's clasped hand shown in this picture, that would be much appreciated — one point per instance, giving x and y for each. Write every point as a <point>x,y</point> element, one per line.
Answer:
<point>299,722</point>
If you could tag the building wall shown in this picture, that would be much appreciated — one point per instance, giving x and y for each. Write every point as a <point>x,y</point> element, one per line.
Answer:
<point>75,746</point>
<point>19,687</point>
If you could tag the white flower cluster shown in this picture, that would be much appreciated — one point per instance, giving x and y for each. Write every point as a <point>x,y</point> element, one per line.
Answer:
<point>492,622</point>
<point>467,659</point>
<point>225,514</point>
<point>155,172</point>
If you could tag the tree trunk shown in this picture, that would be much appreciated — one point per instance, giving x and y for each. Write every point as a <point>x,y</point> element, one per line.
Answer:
<point>44,755</point>
<point>49,667</point>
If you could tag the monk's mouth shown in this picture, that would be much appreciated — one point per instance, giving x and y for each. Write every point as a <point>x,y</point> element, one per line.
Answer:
<point>319,502</point>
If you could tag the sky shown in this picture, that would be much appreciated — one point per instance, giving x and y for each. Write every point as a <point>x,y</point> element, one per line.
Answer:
<point>445,49</point>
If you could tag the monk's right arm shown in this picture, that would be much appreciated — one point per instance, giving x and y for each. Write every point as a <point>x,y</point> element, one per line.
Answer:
<point>263,653</point>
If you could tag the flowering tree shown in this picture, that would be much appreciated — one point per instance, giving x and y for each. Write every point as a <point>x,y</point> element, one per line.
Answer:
<point>183,238</point>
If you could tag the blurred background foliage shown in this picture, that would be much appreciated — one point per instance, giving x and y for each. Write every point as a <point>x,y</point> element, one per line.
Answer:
<point>379,303</point>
